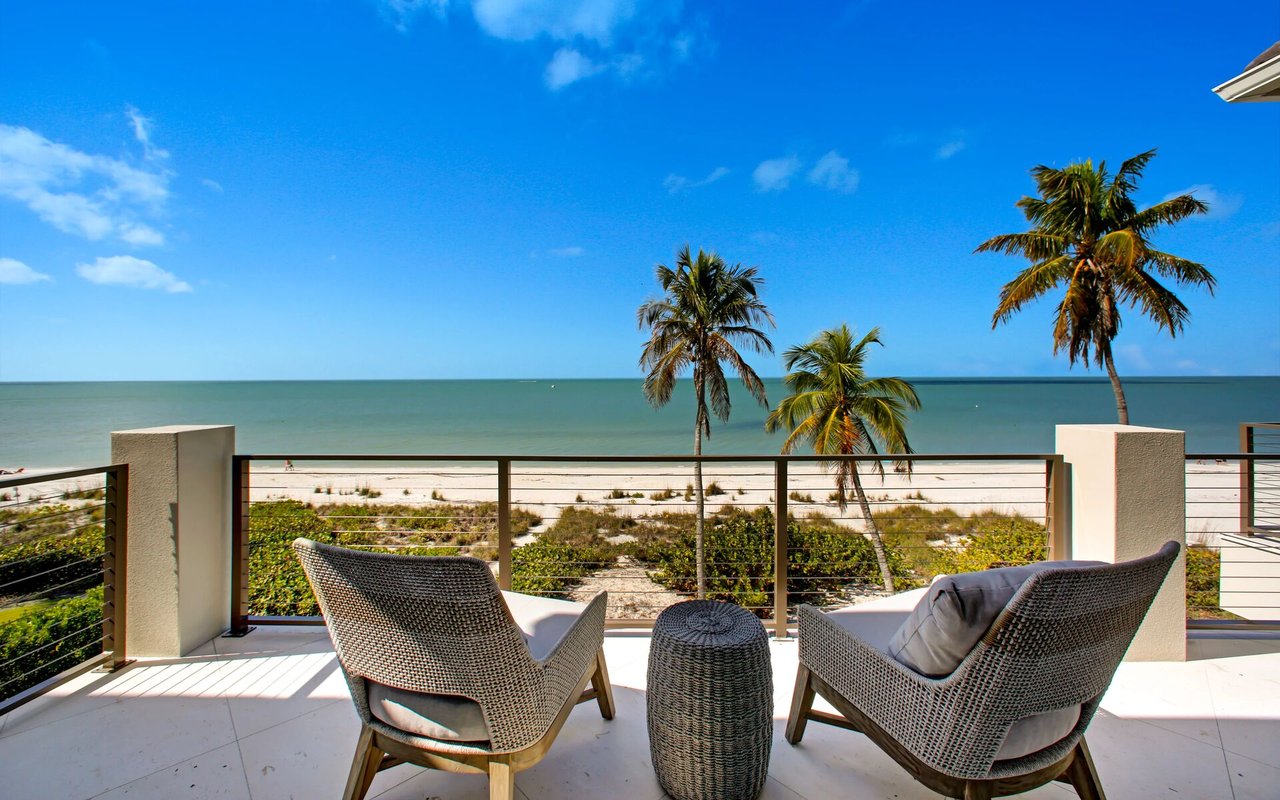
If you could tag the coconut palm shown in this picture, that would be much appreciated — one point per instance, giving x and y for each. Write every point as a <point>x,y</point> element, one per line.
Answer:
<point>707,310</point>
<point>838,410</point>
<point>1087,233</point>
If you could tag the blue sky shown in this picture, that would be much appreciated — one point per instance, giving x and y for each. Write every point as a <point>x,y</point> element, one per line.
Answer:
<point>469,189</point>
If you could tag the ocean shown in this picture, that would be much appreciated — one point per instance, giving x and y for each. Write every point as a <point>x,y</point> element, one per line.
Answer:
<point>67,424</point>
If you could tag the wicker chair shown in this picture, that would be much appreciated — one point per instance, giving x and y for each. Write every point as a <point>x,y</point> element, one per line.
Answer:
<point>1056,645</point>
<point>446,671</point>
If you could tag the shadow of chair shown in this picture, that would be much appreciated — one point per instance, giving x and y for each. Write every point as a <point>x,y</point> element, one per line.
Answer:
<point>1053,648</point>
<point>448,672</point>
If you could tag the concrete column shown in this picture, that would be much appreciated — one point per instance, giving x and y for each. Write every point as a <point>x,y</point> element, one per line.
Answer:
<point>179,581</point>
<point>1128,497</point>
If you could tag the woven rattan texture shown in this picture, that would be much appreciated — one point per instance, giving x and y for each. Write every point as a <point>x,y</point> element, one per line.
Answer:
<point>439,624</point>
<point>710,701</point>
<point>1057,644</point>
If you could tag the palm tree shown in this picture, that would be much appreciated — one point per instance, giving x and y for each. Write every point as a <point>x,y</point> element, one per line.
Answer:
<point>707,308</point>
<point>837,409</point>
<point>1086,232</point>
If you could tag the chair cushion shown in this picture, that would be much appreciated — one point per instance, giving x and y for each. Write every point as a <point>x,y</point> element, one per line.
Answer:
<point>955,613</point>
<point>435,716</point>
<point>1037,732</point>
<point>877,621</point>
<point>542,620</point>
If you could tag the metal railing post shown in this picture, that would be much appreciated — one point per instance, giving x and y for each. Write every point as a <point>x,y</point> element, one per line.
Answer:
<point>504,524</point>
<point>239,546</point>
<point>780,548</point>
<point>1057,506</point>
<point>115,565</point>
<point>1247,488</point>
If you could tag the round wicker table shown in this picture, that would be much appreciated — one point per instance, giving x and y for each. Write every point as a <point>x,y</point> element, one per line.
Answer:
<point>710,701</point>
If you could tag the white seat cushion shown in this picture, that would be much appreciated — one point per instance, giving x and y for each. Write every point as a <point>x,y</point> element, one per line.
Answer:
<point>542,620</point>
<point>435,716</point>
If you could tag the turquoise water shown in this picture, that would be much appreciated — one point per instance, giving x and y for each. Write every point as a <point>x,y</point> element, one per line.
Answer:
<point>67,424</point>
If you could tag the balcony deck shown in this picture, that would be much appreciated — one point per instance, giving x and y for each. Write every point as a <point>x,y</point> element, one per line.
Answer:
<point>268,716</point>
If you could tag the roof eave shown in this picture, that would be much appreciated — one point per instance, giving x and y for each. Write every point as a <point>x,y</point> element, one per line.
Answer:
<point>1256,85</point>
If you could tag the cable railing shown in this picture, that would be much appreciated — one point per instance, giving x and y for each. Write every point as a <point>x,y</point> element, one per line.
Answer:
<point>569,526</point>
<point>1233,543</point>
<point>63,549</point>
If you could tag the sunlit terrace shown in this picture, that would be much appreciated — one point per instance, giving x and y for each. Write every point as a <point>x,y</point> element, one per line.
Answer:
<point>187,549</point>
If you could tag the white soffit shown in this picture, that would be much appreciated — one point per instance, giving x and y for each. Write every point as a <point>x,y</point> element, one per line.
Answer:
<point>1260,82</point>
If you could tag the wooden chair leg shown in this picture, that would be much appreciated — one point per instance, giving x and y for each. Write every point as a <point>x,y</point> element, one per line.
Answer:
<point>1084,775</point>
<point>363,767</point>
<point>603,689</point>
<point>801,702</point>
<point>502,781</point>
<point>977,790</point>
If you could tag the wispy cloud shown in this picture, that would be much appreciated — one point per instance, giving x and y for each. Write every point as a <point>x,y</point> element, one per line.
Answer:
<point>569,66</point>
<point>78,193</point>
<point>775,174</point>
<point>567,252</point>
<point>401,13</point>
<point>1221,204</point>
<point>16,273</point>
<point>142,132</point>
<point>1134,356</point>
<point>626,38</point>
<point>129,271</point>
<point>211,185</point>
<point>675,184</point>
<point>833,172</point>
<point>949,149</point>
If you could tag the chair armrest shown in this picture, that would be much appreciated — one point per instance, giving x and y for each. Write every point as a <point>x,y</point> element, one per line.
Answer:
<point>569,661</point>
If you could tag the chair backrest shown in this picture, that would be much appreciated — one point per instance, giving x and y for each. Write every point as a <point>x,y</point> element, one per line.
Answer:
<point>1058,643</point>
<point>433,624</point>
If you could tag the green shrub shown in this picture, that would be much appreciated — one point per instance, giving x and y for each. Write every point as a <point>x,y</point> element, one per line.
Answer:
<point>277,584</point>
<point>1204,578</point>
<point>823,559</point>
<point>588,526</point>
<point>65,564</point>
<point>665,494</point>
<point>713,489</point>
<point>552,568</point>
<point>42,643</point>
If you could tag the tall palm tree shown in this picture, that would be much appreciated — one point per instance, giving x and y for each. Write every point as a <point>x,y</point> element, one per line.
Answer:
<point>838,410</point>
<point>706,309</point>
<point>1087,233</point>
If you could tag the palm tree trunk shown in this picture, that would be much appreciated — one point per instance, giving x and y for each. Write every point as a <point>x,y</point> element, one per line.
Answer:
<point>882,557</point>
<point>700,555</point>
<point>1122,407</point>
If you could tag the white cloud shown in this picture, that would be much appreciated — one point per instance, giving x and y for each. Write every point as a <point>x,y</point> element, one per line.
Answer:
<point>567,252</point>
<point>402,12</point>
<point>211,185</point>
<point>625,38</point>
<point>950,148</point>
<point>78,193</point>
<point>14,272</point>
<point>833,172</point>
<point>775,174</point>
<point>130,271</point>
<point>562,20</point>
<point>568,66</point>
<point>142,132</point>
<point>1221,205</point>
<point>675,184</point>
<point>1134,356</point>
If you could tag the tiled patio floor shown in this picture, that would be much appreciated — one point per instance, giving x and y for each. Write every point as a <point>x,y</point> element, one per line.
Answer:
<point>268,716</point>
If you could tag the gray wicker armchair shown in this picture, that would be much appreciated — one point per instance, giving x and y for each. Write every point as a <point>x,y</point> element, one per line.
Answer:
<point>1054,647</point>
<point>446,671</point>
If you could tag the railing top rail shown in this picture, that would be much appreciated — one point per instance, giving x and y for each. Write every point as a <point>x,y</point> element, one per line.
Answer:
<point>1234,456</point>
<point>44,477</point>
<point>1260,424</point>
<point>761,457</point>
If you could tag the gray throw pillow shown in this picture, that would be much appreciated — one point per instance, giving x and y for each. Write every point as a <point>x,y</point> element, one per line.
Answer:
<point>955,614</point>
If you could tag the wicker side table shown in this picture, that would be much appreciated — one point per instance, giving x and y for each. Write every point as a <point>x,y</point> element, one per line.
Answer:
<point>710,701</point>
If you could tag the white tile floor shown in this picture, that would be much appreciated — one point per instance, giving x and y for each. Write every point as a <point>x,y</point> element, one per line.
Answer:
<point>268,716</point>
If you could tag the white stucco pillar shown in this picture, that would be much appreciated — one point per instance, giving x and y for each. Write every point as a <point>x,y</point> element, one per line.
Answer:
<point>1128,497</point>
<point>179,580</point>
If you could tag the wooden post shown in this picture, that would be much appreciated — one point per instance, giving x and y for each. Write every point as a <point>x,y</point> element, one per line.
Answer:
<point>780,548</point>
<point>504,524</point>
